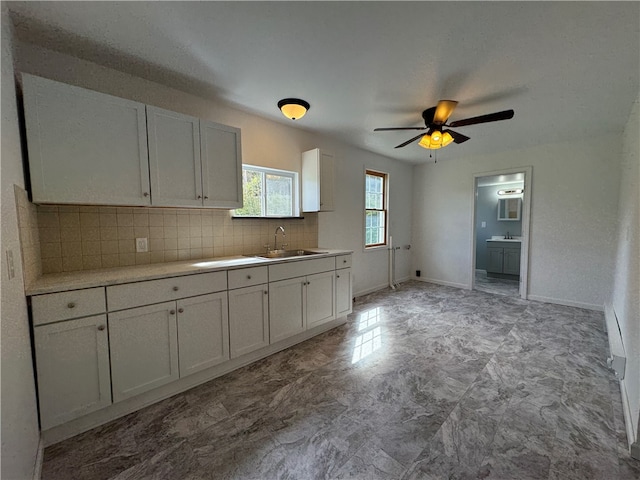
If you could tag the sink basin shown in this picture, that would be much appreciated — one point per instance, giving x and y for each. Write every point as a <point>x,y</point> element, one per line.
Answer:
<point>285,254</point>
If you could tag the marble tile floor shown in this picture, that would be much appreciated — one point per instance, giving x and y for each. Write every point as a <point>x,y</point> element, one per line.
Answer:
<point>424,382</point>
<point>496,286</point>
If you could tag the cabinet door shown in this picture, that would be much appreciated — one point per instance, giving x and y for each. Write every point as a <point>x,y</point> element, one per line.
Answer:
<point>174,158</point>
<point>85,147</point>
<point>317,181</point>
<point>72,360</point>
<point>248,319</point>
<point>144,349</point>
<point>287,307</point>
<point>494,260</point>
<point>203,332</point>
<point>511,261</point>
<point>344,296</point>
<point>321,303</point>
<point>326,182</point>
<point>221,165</point>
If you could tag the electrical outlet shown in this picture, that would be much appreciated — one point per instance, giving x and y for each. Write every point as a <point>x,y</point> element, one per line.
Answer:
<point>484,224</point>
<point>142,245</point>
<point>11,271</point>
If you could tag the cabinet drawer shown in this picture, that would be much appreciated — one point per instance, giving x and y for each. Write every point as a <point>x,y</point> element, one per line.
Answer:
<point>131,295</point>
<point>301,268</point>
<point>54,307</point>
<point>343,261</point>
<point>246,277</point>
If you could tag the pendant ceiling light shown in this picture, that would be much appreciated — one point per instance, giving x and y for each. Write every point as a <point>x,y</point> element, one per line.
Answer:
<point>293,108</point>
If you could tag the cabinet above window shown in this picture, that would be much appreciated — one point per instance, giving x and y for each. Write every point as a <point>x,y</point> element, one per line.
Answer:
<point>90,148</point>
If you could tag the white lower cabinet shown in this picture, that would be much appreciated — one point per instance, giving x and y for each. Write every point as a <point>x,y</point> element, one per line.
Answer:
<point>72,360</point>
<point>298,304</point>
<point>248,319</point>
<point>144,349</point>
<point>344,287</point>
<point>203,332</point>
<point>287,307</point>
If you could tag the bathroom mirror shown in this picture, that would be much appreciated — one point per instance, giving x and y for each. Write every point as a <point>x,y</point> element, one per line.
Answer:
<point>509,209</point>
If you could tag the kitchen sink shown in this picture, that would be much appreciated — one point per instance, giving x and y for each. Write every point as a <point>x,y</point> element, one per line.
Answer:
<point>284,254</point>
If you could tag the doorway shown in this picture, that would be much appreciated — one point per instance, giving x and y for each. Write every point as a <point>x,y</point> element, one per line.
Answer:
<point>500,232</point>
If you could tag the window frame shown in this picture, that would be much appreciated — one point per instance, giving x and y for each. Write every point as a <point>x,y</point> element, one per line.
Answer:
<point>295,191</point>
<point>384,209</point>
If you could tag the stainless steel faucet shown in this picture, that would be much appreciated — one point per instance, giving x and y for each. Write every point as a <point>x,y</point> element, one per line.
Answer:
<point>275,238</point>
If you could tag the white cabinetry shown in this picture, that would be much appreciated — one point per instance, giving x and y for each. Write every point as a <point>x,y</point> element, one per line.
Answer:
<point>248,310</point>
<point>90,148</point>
<point>301,297</point>
<point>203,332</point>
<point>174,158</point>
<point>84,147</point>
<point>144,349</point>
<point>72,361</point>
<point>317,181</point>
<point>221,165</point>
<point>344,286</point>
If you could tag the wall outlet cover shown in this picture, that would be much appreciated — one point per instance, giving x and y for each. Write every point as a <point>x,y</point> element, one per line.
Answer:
<point>142,245</point>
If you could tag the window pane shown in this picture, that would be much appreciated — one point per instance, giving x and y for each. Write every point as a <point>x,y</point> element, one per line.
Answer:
<point>374,228</point>
<point>374,188</point>
<point>279,195</point>
<point>252,193</point>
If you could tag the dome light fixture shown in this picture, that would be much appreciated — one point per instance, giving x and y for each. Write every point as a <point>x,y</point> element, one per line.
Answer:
<point>435,140</point>
<point>293,108</point>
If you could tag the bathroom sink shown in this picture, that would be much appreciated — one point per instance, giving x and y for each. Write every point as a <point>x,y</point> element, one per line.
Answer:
<point>285,254</point>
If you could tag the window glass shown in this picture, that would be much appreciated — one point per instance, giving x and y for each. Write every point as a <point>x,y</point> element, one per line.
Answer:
<point>268,193</point>
<point>375,226</point>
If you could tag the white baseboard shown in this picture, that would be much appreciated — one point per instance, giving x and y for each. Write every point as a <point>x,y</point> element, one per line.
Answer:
<point>626,408</point>
<point>37,468</point>
<point>463,286</point>
<point>568,303</point>
<point>371,290</point>
<point>479,270</point>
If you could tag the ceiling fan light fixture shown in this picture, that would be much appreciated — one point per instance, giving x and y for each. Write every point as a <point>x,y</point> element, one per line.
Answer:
<point>293,108</point>
<point>434,142</point>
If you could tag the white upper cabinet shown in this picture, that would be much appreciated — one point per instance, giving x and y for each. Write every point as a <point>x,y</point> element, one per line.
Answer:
<point>90,148</point>
<point>221,165</point>
<point>317,181</point>
<point>84,147</point>
<point>174,158</point>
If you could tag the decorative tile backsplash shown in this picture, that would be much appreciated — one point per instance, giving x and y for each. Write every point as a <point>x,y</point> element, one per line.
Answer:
<point>87,238</point>
<point>29,241</point>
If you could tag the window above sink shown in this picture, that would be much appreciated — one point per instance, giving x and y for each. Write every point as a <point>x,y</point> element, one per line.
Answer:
<point>269,193</point>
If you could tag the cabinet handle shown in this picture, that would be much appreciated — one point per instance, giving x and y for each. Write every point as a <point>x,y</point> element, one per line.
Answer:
<point>172,312</point>
<point>101,327</point>
<point>175,289</point>
<point>71,305</point>
<point>145,194</point>
<point>181,310</point>
<point>248,277</point>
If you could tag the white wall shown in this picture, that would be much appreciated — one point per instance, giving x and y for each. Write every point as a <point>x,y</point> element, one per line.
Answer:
<point>265,143</point>
<point>20,436</point>
<point>626,285</point>
<point>573,218</point>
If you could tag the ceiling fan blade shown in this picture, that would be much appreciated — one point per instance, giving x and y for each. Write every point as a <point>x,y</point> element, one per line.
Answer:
<point>385,129</point>
<point>410,141</point>
<point>457,137</point>
<point>491,117</point>
<point>443,111</point>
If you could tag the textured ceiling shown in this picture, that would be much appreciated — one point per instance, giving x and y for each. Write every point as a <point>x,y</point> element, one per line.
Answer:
<point>569,69</point>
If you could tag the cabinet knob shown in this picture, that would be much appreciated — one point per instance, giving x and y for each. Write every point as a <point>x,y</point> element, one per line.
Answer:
<point>266,292</point>
<point>181,310</point>
<point>172,312</point>
<point>176,288</point>
<point>337,276</point>
<point>71,305</point>
<point>101,327</point>
<point>199,197</point>
<point>344,261</point>
<point>206,197</point>
<point>145,194</point>
<point>248,277</point>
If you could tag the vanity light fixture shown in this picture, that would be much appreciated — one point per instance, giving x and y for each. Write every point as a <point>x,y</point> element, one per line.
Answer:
<point>511,191</point>
<point>293,108</point>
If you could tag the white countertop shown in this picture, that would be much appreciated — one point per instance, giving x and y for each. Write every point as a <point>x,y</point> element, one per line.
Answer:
<point>498,238</point>
<point>61,282</point>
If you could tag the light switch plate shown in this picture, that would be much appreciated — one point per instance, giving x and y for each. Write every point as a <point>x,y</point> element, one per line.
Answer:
<point>142,245</point>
